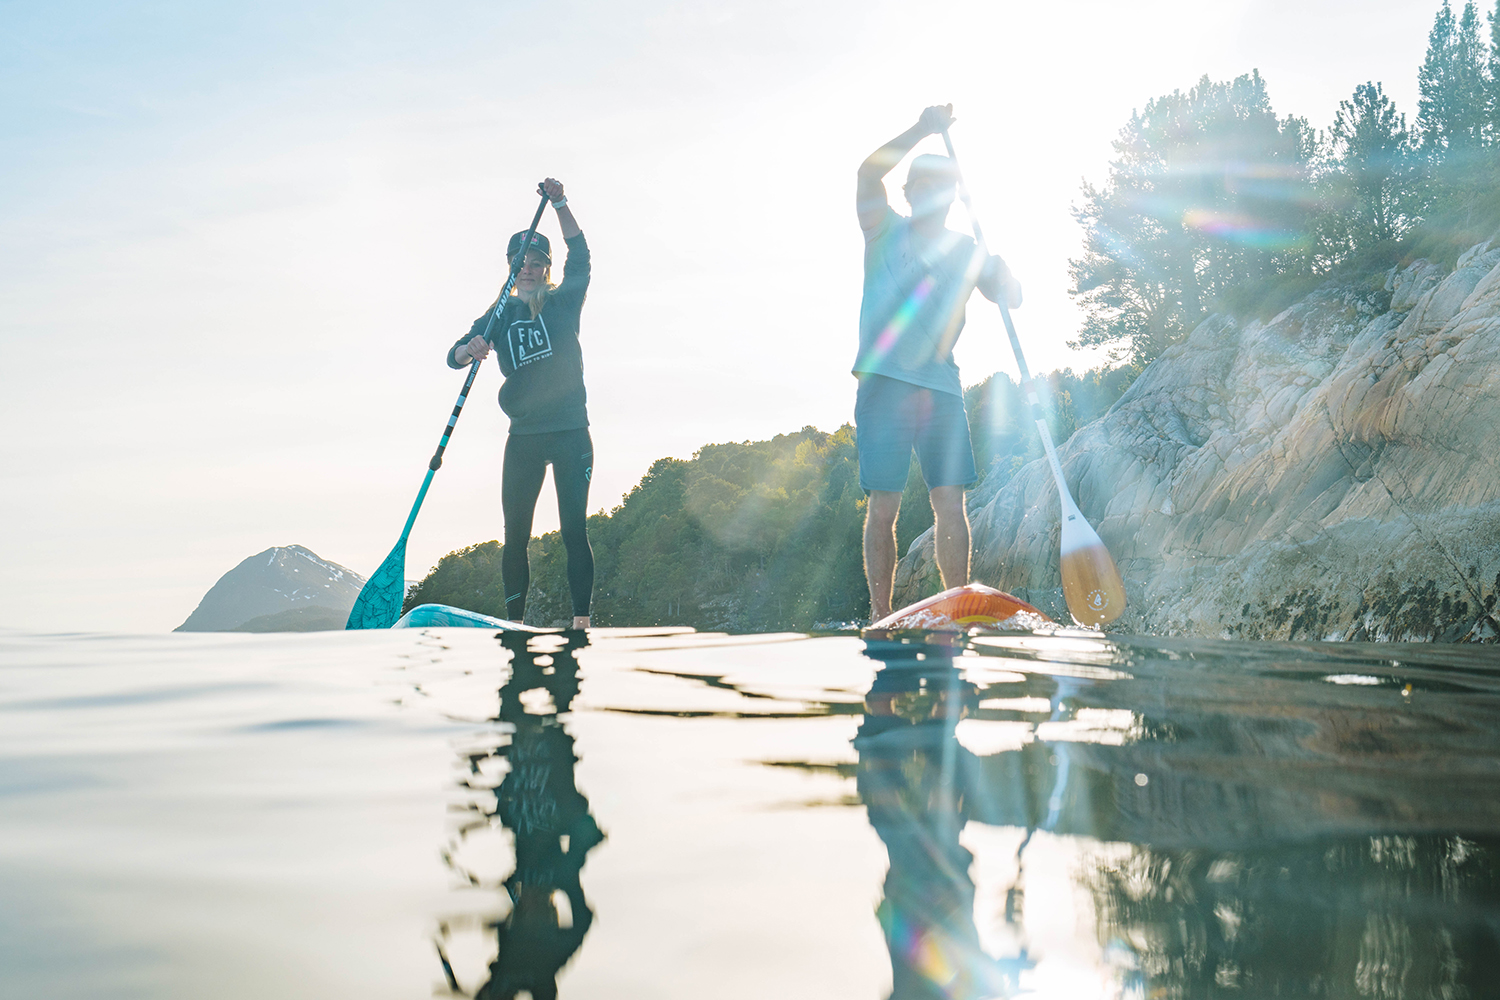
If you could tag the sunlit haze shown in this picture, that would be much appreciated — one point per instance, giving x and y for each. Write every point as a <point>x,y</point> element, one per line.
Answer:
<point>237,239</point>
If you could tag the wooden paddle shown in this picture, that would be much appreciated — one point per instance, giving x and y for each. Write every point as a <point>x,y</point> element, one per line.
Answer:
<point>379,602</point>
<point>1091,583</point>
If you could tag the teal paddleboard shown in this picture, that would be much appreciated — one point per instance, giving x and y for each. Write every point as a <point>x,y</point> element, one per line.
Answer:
<point>443,616</point>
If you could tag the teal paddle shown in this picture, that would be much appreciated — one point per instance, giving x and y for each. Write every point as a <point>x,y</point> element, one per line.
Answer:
<point>1091,583</point>
<point>379,603</point>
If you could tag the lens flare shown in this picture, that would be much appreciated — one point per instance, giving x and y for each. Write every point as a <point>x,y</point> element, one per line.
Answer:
<point>923,947</point>
<point>1253,204</point>
<point>900,320</point>
<point>1238,228</point>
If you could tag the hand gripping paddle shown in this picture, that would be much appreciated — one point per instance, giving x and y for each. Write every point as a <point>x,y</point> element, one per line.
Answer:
<point>1091,583</point>
<point>379,603</point>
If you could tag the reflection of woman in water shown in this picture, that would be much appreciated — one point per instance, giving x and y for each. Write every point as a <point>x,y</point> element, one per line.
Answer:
<point>911,775</point>
<point>539,803</point>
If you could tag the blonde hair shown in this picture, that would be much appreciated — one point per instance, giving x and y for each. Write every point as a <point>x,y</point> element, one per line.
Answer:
<point>537,299</point>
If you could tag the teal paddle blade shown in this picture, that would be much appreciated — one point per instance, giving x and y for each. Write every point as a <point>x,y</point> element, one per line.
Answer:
<point>379,603</point>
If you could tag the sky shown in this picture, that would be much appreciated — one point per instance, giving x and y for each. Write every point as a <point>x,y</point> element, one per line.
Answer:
<point>236,240</point>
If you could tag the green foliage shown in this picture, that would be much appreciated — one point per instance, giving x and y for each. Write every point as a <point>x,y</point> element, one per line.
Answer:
<point>1265,298</point>
<point>1458,126</point>
<point>1372,185</point>
<point>1214,204</point>
<point>468,578</point>
<point>1494,71</point>
<point>758,535</point>
<point>1208,189</point>
<point>1001,426</point>
<point>1453,115</point>
<point>916,509</point>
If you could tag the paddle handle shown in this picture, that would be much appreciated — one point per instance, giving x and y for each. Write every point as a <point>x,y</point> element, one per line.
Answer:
<point>436,462</point>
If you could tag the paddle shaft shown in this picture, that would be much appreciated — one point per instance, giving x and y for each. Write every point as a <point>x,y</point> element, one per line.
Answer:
<point>436,461</point>
<point>1092,587</point>
<point>1032,401</point>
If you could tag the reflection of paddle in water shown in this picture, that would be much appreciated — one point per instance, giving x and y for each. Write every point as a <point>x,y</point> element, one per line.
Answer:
<point>913,776</point>
<point>549,819</point>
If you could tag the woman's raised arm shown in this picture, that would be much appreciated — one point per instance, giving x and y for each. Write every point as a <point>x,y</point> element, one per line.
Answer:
<point>553,189</point>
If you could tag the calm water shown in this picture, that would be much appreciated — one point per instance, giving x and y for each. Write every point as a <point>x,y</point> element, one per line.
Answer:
<point>660,815</point>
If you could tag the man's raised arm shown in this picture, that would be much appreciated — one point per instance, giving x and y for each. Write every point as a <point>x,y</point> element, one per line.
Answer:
<point>870,199</point>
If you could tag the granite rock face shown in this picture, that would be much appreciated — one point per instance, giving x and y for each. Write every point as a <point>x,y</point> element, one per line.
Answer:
<point>1331,474</point>
<point>283,589</point>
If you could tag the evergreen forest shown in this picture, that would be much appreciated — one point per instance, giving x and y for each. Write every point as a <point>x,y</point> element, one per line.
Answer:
<point>1212,204</point>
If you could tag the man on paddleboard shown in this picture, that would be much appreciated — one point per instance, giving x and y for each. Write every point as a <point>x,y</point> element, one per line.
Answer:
<point>918,278</point>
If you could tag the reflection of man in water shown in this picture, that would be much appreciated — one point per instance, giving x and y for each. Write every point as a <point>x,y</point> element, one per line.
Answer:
<point>911,776</point>
<point>550,819</point>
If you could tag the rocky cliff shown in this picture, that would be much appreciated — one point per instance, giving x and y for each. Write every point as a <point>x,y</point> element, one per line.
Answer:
<point>283,589</point>
<point>1333,473</point>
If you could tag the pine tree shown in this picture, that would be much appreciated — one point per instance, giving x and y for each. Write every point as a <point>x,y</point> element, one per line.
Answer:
<point>1494,75</point>
<point>1208,191</point>
<point>1452,109</point>
<point>1371,149</point>
<point>1433,111</point>
<point>1470,84</point>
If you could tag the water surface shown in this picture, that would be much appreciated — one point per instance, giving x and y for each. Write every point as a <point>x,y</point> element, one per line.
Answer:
<point>451,813</point>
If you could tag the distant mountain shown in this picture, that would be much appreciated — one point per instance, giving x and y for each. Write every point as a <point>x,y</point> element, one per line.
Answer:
<point>305,619</point>
<point>283,589</point>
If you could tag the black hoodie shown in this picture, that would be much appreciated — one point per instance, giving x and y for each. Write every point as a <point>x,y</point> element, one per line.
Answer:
<point>541,358</point>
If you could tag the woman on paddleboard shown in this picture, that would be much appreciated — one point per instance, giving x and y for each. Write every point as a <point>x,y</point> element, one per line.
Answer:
<point>535,338</point>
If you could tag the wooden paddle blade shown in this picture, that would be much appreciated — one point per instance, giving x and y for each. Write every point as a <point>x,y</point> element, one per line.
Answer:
<point>1091,583</point>
<point>379,603</point>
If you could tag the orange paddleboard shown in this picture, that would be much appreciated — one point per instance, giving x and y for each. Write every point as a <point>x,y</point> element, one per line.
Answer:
<point>959,609</point>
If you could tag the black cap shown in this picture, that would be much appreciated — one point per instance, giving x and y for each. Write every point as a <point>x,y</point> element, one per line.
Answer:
<point>539,244</point>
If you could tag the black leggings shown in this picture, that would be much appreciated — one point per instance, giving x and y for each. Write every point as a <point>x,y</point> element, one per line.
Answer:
<point>571,455</point>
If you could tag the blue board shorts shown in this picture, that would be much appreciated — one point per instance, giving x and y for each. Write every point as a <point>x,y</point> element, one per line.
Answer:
<point>891,417</point>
